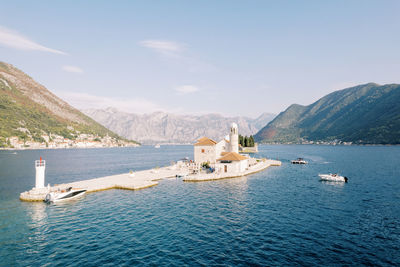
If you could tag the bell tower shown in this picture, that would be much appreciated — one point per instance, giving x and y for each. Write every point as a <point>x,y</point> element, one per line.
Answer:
<point>234,138</point>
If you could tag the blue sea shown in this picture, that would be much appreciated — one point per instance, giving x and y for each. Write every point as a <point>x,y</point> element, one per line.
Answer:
<point>280,216</point>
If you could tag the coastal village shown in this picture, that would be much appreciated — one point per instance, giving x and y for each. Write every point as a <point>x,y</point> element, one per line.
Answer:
<point>53,141</point>
<point>302,141</point>
<point>212,161</point>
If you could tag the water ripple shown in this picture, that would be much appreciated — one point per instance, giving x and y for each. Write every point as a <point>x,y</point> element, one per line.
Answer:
<point>282,216</point>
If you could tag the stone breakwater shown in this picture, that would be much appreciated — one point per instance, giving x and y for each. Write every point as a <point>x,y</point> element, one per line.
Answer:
<point>130,181</point>
<point>142,179</point>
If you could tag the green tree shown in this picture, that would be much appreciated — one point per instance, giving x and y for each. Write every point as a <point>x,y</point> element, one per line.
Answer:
<point>246,141</point>
<point>251,141</point>
<point>241,140</point>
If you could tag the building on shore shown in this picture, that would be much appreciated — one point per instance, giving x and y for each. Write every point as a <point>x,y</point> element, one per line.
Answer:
<point>224,155</point>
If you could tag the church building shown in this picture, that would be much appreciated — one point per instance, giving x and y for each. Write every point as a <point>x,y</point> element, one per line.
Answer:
<point>222,155</point>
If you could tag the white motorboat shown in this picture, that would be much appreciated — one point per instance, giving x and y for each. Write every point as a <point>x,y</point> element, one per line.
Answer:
<point>333,177</point>
<point>299,161</point>
<point>63,196</point>
<point>157,146</point>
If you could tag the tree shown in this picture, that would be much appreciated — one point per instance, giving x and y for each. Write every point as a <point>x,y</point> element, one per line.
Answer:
<point>246,141</point>
<point>251,141</point>
<point>241,141</point>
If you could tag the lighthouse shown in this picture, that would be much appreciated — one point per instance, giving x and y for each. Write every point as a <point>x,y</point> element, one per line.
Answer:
<point>234,138</point>
<point>40,166</point>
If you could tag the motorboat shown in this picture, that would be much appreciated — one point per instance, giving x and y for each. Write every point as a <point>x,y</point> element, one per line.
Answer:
<point>64,195</point>
<point>333,177</point>
<point>299,161</point>
<point>157,146</point>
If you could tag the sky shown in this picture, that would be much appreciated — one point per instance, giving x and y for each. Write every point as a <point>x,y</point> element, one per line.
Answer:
<point>196,57</point>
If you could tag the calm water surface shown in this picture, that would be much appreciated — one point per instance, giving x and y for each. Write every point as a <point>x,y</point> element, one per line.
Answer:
<point>281,216</point>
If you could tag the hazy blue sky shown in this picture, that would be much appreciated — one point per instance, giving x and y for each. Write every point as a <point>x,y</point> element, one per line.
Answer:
<point>229,57</point>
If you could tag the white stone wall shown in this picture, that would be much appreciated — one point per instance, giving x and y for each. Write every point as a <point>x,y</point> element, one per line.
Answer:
<point>205,154</point>
<point>234,167</point>
<point>220,147</point>
<point>243,164</point>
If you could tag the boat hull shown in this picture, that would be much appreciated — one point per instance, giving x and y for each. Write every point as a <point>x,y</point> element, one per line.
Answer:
<point>332,178</point>
<point>65,196</point>
<point>299,162</point>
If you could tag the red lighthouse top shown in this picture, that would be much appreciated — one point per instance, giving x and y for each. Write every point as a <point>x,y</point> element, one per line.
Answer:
<point>40,163</point>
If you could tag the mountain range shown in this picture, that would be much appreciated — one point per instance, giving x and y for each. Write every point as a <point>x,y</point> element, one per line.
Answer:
<point>364,114</point>
<point>28,112</point>
<point>162,127</point>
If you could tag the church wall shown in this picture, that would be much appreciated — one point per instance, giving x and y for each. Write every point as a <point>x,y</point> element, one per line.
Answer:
<point>233,167</point>
<point>243,164</point>
<point>205,154</point>
<point>220,147</point>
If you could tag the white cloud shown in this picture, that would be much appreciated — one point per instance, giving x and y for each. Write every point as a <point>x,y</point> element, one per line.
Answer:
<point>15,40</point>
<point>162,46</point>
<point>186,89</point>
<point>177,55</point>
<point>131,105</point>
<point>72,69</point>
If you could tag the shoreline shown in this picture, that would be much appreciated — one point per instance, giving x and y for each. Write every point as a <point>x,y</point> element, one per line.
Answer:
<point>283,144</point>
<point>141,145</point>
<point>54,148</point>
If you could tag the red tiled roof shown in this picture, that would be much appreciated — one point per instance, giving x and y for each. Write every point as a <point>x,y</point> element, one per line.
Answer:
<point>232,156</point>
<point>205,141</point>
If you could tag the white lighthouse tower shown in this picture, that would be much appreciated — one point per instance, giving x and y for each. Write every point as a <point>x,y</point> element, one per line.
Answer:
<point>234,138</point>
<point>40,166</point>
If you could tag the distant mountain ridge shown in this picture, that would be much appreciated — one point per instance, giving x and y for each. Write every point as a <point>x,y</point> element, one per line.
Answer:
<point>364,114</point>
<point>161,127</point>
<point>28,111</point>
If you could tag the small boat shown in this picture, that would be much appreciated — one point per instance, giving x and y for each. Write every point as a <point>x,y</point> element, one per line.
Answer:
<point>157,146</point>
<point>299,161</point>
<point>66,195</point>
<point>333,177</point>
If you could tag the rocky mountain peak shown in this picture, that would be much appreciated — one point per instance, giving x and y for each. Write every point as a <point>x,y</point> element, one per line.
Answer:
<point>163,127</point>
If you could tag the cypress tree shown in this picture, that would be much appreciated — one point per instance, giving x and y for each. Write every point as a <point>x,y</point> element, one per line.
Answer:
<point>251,141</point>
